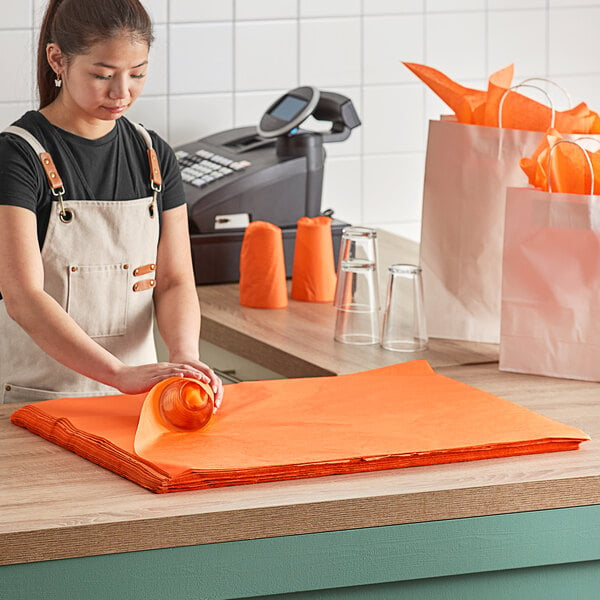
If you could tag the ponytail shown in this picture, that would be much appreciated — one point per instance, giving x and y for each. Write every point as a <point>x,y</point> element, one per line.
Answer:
<point>45,75</point>
<point>76,25</point>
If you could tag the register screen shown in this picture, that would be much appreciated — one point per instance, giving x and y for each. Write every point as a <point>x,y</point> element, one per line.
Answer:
<point>288,108</point>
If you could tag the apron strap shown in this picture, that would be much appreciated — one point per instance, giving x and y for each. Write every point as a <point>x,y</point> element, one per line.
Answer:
<point>55,181</point>
<point>28,137</point>
<point>155,176</point>
<point>52,175</point>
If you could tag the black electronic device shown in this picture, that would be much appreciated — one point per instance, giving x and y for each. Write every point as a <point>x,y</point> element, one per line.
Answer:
<point>288,112</point>
<point>273,172</point>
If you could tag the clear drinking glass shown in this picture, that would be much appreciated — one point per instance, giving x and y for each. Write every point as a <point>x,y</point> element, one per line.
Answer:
<point>357,306</point>
<point>357,243</point>
<point>403,325</point>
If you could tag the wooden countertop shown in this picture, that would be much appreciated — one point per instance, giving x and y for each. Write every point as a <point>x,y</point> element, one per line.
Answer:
<point>55,504</point>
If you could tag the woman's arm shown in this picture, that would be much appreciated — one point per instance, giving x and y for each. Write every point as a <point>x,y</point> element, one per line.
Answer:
<point>175,297</point>
<point>47,323</point>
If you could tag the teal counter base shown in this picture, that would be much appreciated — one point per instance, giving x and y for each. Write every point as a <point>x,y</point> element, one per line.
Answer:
<point>543,554</point>
<point>577,581</point>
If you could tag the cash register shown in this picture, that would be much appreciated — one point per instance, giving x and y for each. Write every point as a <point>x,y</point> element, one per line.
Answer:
<point>270,172</point>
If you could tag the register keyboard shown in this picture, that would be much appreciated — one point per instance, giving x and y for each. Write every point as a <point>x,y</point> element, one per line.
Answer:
<point>203,167</point>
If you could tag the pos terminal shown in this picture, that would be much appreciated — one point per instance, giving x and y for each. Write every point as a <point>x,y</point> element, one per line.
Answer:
<point>273,172</point>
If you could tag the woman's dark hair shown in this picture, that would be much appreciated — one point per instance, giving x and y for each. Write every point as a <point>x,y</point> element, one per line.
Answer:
<point>76,25</point>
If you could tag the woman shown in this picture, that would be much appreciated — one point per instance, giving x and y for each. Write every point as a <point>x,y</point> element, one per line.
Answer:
<point>93,223</point>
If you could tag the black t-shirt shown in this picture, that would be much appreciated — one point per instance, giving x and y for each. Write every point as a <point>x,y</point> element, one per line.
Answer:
<point>113,167</point>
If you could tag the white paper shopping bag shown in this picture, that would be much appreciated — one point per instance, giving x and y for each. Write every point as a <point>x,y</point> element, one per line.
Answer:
<point>467,171</point>
<point>551,284</point>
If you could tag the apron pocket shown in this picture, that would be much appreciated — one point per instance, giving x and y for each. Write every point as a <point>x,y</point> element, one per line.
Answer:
<point>17,393</point>
<point>97,298</point>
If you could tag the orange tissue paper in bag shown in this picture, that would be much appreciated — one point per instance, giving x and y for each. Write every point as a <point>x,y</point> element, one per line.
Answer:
<point>262,267</point>
<point>465,102</point>
<point>313,274</point>
<point>567,171</point>
<point>482,107</point>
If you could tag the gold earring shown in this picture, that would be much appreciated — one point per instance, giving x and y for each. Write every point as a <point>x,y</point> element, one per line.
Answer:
<point>58,80</point>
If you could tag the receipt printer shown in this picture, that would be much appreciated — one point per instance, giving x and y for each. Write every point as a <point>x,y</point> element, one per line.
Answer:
<point>273,172</point>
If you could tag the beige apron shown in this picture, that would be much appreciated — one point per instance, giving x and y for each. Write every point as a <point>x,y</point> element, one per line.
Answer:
<point>99,265</point>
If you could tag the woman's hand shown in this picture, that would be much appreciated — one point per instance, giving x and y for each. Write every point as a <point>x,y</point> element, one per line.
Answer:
<point>139,379</point>
<point>207,375</point>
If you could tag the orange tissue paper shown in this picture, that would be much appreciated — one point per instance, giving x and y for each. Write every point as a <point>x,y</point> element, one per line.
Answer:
<point>399,416</point>
<point>313,273</point>
<point>262,267</point>
<point>482,107</point>
<point>566,171</point>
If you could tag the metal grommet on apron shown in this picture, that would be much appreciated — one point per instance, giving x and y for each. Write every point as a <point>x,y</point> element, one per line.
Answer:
<point>66,216</point>
<point>91,281</point>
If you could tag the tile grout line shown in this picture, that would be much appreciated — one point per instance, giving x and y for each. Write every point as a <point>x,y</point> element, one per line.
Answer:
<point>233,63</point>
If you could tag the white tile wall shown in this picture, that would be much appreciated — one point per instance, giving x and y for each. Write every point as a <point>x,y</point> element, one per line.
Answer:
<point>16,67</point>
<point>395,181</point>
<point>330,51</point>
<point>10,111</point>
<point>572,35</point>
<point>151,111</point>
<point>157,83</point>
<point>454,5</point>
<point>511,4</point>
<point>17,14</point>
<point>217,65</point>
<point>389,40</point>
<point>158,10</point>
<point>455,43</point>
<point>390,7</point>
<point>266,55</point>
<point>38,11</point>
<point>265,9</point>
<point>387,128</point>
<point>189,11</point>
<point>193,117</point>
<point>342,187</point>
<point>327,8</point>
<point>200,58</point>
<point>571,3</point>
<point>518,37</point>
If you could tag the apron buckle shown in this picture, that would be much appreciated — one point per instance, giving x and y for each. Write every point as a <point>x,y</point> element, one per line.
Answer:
<point>152,207</point>
<point>64,214</point>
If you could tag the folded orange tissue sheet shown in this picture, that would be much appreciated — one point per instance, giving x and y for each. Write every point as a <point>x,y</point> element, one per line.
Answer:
<point>398,416</point>
<point>482,107</point>
<point>313,273</point>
